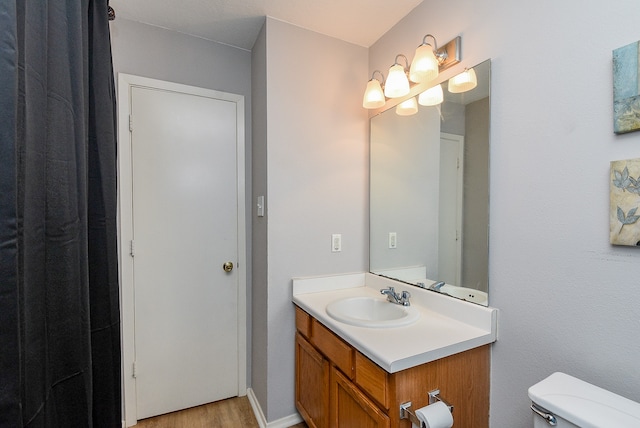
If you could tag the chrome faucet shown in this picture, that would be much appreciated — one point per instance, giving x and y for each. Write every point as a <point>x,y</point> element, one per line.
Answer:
<point>398,299</point>
<point>436,285</point>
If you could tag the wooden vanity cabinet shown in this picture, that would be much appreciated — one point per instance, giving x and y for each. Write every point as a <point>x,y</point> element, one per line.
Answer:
<point>350,407</point>
<point>337,386</point>
<point>312,384</point>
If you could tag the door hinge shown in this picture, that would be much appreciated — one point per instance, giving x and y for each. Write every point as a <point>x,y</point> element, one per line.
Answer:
<point>131,248</point>
<point>134,371</point>
<point>130,123</point>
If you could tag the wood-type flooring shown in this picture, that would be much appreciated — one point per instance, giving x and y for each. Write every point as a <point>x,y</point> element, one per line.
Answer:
<point>230,413</point>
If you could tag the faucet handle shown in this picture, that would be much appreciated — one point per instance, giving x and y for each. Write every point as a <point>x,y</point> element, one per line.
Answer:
<point>404,300</point>
<point>387,290</point>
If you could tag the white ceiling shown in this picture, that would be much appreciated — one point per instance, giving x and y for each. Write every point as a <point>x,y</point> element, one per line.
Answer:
<point>238,22</point>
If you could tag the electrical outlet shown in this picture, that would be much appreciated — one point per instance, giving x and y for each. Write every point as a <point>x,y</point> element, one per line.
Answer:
<point>336,243</point>
<point>393,240</point>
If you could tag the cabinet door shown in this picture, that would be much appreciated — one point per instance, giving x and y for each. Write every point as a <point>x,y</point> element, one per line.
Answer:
<point>312,384</point>
<point>351,408</point>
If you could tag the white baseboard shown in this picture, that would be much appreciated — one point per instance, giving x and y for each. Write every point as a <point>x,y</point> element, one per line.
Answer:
<point>285,422</point>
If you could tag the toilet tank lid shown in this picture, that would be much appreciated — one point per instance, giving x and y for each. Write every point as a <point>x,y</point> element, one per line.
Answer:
<point>584,404</point>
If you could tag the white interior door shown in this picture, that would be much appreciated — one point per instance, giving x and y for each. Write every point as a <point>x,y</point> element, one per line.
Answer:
<point>184,227</point>
<point>450,206</point>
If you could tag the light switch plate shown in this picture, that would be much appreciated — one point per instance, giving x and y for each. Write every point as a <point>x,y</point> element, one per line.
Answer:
<point>393,240</point>
<point>260,206</point>
<point>336,243</point>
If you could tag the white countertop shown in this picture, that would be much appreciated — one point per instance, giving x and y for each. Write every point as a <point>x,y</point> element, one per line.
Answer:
<point>446,326</point>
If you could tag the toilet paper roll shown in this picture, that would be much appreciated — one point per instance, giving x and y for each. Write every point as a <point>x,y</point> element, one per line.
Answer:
<point>436,415</point>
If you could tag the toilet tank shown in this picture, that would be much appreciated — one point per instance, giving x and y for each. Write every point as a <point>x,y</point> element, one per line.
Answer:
<point>576,403</point>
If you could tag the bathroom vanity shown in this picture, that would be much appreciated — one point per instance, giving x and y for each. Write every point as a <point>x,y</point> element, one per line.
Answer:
<point>352,375</point>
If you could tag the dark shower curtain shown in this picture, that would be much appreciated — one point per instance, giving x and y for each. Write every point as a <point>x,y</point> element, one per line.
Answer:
<point>59,304</point>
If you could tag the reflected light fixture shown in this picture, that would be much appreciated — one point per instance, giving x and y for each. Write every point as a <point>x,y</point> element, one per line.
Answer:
<point>426,61</point>
<point>431,97</point>
<point>407,108</point>
<point>463,82</point>
<point>373,95</point>
<point>397,84</point>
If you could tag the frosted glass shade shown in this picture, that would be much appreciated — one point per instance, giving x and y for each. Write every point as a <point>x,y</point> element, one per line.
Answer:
<point>397,84</point>
<point>424,66</point>
<point>373,95</point>
<point>408,107</point>
<point>463,82</point>
<point>431,97</point>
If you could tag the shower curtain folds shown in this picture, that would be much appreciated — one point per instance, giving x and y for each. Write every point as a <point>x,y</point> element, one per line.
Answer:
<point>59,303</point>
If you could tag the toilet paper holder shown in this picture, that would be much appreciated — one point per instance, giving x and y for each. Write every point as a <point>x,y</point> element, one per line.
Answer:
<point>407,413</point>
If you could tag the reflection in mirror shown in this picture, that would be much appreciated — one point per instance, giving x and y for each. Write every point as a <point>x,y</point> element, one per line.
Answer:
<point>429,195</point>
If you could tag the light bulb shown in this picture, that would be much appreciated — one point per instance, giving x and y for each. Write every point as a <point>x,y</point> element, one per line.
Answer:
<point>397,84</point>
<point>431,97</point>
<point>408,107</point>
<point>424,66</point>
<point>463,82</point>
<point>373,95</point>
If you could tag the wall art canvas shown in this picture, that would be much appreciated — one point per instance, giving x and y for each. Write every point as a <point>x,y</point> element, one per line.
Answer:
<point>624,194</point>
<point>626,89</point>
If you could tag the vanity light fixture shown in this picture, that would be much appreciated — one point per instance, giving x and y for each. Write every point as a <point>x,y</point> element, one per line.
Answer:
<point>407,107</point>
<point>373,95</point>
<point>426,61</point>
<point>431,97</point>
<point>463,82</point>
<point>397,84</point>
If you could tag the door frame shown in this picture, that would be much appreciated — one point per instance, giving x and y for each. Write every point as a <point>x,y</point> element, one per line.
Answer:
<point>459,141</point>
<point>125,230</point>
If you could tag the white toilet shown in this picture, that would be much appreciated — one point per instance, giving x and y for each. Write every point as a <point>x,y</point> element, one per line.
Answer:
<point>564,402</point>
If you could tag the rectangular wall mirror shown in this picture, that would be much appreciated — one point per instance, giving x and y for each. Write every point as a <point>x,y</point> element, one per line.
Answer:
<point>429,193</point>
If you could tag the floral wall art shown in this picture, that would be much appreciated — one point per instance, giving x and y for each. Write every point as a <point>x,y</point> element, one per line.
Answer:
<point>624,216</point>
<point>626,89</point>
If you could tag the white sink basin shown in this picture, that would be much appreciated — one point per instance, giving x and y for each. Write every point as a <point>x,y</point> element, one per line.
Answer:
<point>372,312</point>
<point>468,294</point>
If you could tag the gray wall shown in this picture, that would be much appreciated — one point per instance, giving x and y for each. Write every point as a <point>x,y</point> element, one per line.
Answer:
<point>157,53</point>
<point>568,300</point>
<point>260,269</point>
<point>316,179</point>
<point>154,52</point>
<point>476,189</point>
<point>405,159</point>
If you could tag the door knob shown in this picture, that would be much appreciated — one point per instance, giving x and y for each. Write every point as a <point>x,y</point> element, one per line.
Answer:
<point>227,267</point>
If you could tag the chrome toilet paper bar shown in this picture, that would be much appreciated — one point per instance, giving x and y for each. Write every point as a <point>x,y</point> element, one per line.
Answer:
<point>407,413</point>
<point>435,396</point>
